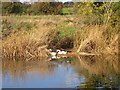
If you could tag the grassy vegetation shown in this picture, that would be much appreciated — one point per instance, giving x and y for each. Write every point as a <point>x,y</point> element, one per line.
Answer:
<point>65,30</point>
<point>31,36</point>
<point>25,39</point>
<point>67,11</point>
<point>95,38</point>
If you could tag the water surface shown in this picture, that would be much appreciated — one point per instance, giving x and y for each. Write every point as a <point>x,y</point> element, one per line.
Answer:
<point>71,72</point>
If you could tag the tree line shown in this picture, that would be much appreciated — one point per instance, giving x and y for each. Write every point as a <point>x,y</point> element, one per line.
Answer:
<point>56,8</point>
<point>36,8</point>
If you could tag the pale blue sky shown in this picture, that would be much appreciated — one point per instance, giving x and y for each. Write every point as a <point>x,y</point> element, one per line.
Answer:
<point>58,0</point>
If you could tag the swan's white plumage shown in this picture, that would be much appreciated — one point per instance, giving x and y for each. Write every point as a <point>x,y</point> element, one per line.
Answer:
<point>61,52</point>
<point>53,53</point>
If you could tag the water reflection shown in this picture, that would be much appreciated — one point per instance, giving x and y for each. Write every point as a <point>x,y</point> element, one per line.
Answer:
<point>19,69</point>
<point>81,72</point>
<point>100,71</point>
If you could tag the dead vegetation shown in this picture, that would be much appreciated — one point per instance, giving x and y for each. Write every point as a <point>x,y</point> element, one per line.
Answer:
<point>31,37</point>
<point>92,39</point>
<point>26,44</point>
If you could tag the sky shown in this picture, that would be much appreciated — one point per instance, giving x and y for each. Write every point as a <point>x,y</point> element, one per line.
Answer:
<point>43,0</point>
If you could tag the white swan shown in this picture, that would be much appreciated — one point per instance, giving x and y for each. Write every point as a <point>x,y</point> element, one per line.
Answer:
<point>53,53</point>
<point>61,52</point>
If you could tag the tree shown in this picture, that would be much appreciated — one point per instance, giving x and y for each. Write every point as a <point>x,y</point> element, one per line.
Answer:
<point>6,7</point>
<point>16,8</point>
<point>47,7</point>
<point>102,11</point>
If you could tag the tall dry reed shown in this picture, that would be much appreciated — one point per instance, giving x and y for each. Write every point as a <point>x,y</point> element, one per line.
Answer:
<point>26,44</point>
<point>96,39</point>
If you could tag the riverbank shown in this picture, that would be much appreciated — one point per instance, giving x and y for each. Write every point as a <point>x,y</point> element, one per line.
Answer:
<point>32,36</point>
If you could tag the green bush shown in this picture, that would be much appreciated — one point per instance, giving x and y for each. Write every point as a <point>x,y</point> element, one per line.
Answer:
<point>98,12</point>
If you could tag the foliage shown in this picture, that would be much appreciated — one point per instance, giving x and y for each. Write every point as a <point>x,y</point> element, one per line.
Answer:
<point>6,7</point>
<point>47,7</point>
<point>102,12</point>
<point>16,7</point>
<point>35,8</point>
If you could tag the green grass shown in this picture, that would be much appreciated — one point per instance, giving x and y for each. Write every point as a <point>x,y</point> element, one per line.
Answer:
<point>65,31</point>
<point>66,10</point>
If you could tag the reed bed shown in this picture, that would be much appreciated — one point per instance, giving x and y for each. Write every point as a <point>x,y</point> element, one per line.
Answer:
<point>96,39</point>
<point>29,37</point>
<point>27,44</point>
<point>24,45</point>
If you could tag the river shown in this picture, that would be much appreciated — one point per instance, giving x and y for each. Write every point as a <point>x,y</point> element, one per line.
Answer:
<point>69,72</point>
